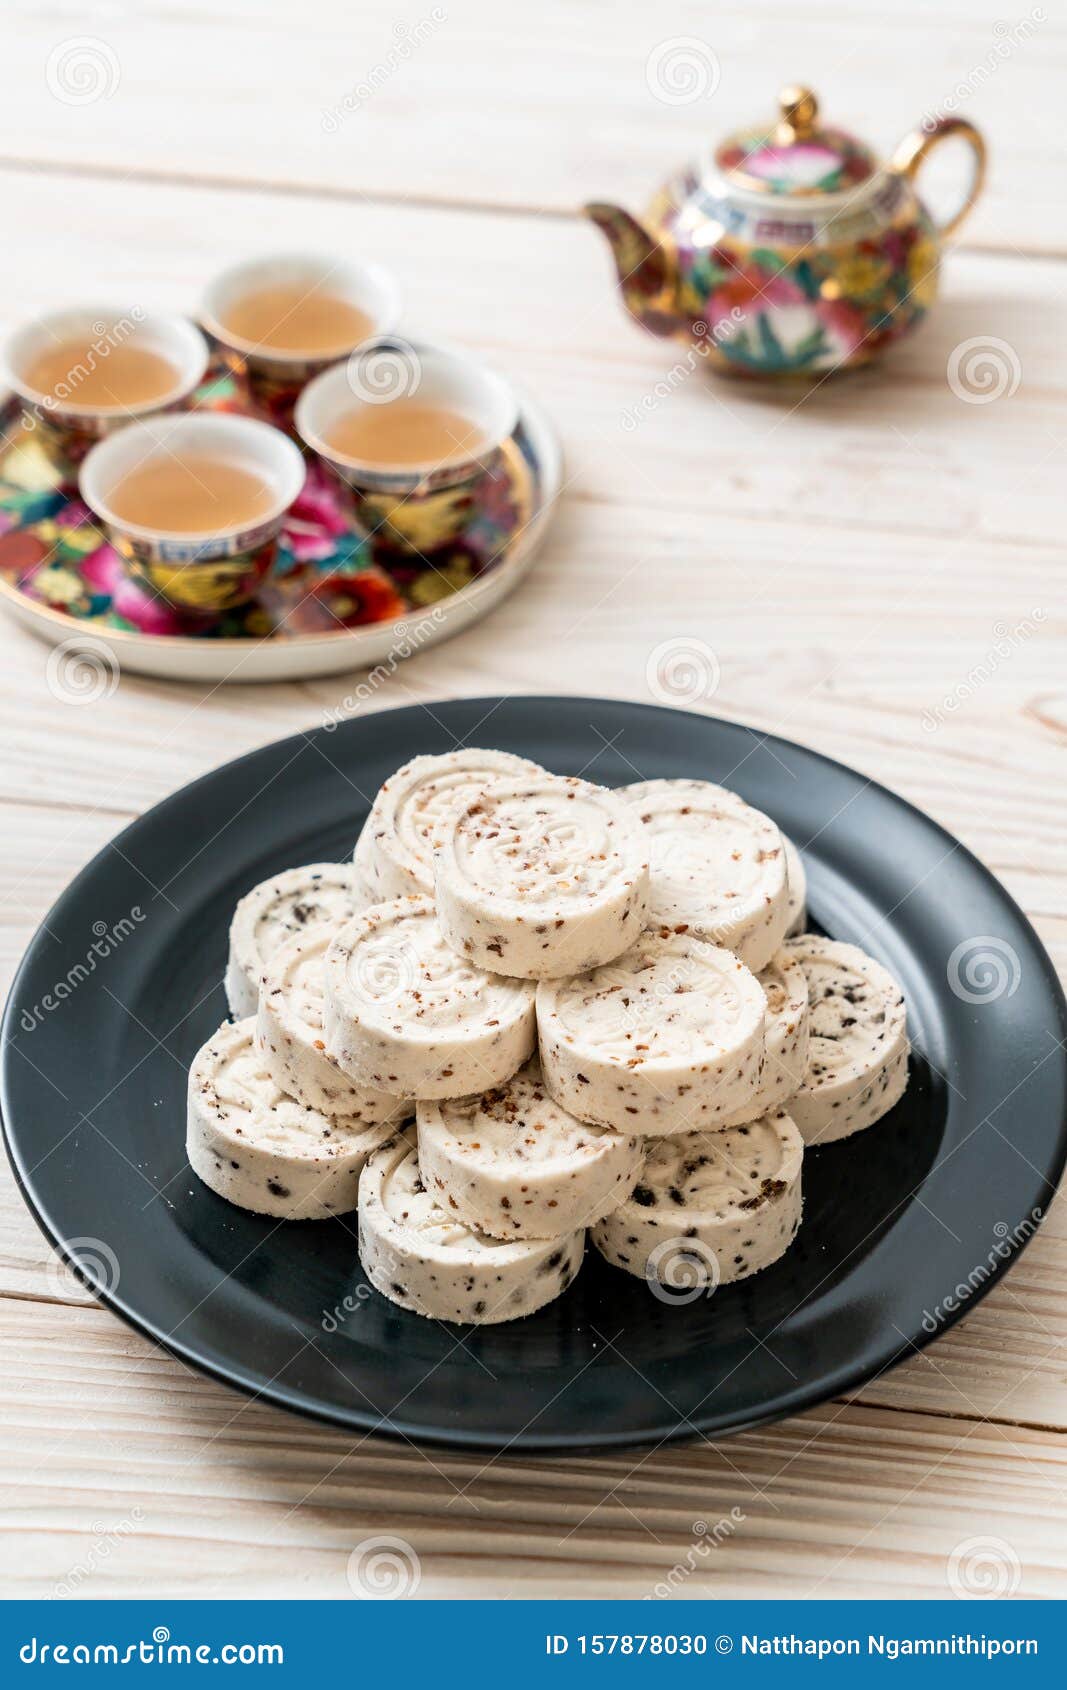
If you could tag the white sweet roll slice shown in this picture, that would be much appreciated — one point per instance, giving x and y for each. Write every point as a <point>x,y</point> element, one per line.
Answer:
<point>858,1056</point>
<point>710,1208</point>
<point>292,1040</point>
<point>394,853</point>
<point>717,866</point>
<point>262,1150</point>
<point>514,1164</point>
<point>668,1038</point>
<point>405,1014</point>
<point>798,889</point>
<point>276,909</point>
<point>422,1257</point>
<point>542,877</point>
<point>785,1028</point>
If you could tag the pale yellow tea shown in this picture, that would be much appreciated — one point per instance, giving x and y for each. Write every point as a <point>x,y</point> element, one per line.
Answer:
<point>293,317</point>
<point>406,433</point>
<point>193,494</point>
<point>119,376</point>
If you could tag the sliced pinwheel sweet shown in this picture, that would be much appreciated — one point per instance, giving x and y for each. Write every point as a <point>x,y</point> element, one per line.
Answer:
<point>277,909</point>
<point>292,1040</point>
<point>262,1150</point>
<point>717,866</point>
<point>541,877</point>
<point>394,852</point>
<point>404,1014</point>
<point>421,1256</point>
<point>667,1038</point>
<point>798,889</point>
<point>785,987</point>
<point>515,1164</point>
<point>858,1049</point>
<point>709,1208</point>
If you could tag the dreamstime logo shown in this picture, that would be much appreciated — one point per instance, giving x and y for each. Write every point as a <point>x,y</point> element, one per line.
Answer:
<point>384,1568</point>
<point>105,1541</point>
<point>91,1272</point>
<point>679,1270</point>
<point>385,970</point>
<point>983,369</point>
<point>406,644</point>
<point>1007,39</point>
<point>406,41</point>
<point>983,969</point>
<point>105,940</point>
<point>82,71</point>
<point>333,1319</point>
<point>682,671</point>
<point>984,1567</point>
<point>705,1539</point>
<point>1008,1241</point>
<point>696,358</point>
<point>681,70</point>
<point>384,370</point>
<point>81,671</point>
<point>1006,642</point>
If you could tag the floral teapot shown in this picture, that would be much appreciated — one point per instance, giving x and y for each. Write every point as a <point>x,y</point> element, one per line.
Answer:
<point>793,250</point>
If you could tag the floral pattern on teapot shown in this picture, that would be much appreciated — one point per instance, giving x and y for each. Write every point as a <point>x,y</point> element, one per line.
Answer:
<point>793,253</point>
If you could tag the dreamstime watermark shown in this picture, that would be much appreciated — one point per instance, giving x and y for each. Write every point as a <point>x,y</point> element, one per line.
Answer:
<point>682,69</point>
<point>983,369</point>
<point>106,337</point>
<point>333,1319</point>
<point>705,1540</point>
<point>81,671</point>
<point>383,1568</point>
<point>1007,640</point>
<point>106,940</point>
<point>679,373</point>
<point>408,39</point>
<point>82,70</point>
<point>405,645</point>
<point>90,1270</point>
<point>1007,39</point>
<point>983,1568</point>
<point>681,1270</point>
<point>384,370</point>
<point>983,969</point>
<point>384,968</point>
<point>106,1540</point>
<point>684,670</point>
<point>1008,1240</point>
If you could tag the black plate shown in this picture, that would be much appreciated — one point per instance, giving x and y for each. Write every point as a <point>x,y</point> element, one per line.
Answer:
<point>940,1195</point>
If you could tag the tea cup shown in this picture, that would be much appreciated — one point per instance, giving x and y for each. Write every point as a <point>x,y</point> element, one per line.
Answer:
<point>411,507</point>
<point>275,374</point>
<point>203,572</point>
<point>68,426</point>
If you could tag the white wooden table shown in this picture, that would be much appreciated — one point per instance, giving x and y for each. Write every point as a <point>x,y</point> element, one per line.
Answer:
<point>853,557</point>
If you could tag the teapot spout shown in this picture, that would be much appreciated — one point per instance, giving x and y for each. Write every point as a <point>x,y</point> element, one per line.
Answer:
<point>647,270</point>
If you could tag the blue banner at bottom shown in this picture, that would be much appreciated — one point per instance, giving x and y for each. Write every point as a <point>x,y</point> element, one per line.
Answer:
<point>443,1645</point>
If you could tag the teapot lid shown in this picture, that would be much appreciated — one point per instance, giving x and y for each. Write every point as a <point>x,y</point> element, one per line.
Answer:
<point>797,155</point>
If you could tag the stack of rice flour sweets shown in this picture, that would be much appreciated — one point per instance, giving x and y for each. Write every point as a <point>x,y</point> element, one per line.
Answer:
<point>530,1008</point>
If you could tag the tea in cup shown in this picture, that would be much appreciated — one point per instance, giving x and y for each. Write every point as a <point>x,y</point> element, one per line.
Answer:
<point>411,430</point>
<point>81,373</point>
<point>280,321</point>
<point>194,504</point>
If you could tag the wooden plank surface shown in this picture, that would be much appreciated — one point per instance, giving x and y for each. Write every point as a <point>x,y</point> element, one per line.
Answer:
<point>228,1498</point>
<point>537,107</point>
<point>877,566</point>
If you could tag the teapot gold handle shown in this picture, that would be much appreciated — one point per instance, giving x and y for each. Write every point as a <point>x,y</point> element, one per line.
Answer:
<point>917,146</point>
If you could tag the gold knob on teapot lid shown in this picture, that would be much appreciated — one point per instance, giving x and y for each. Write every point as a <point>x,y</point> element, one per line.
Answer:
<point>799,109</point>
